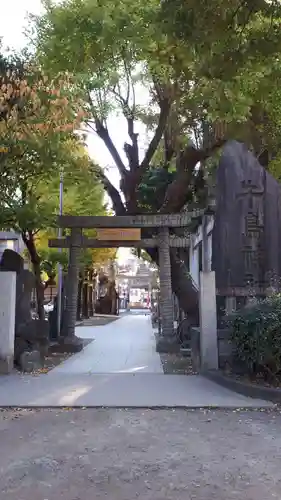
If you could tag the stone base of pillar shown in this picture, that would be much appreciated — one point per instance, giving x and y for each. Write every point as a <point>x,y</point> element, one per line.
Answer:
<point>195,349</point>
<point>167,344</point>
<point>6,365</point>
<point>69,345</point>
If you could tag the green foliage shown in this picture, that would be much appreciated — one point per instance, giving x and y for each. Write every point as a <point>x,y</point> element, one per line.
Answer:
<point>30,171</point>
<point>152,190</point>
<point>220,57</point>
<point>256,334</point>
<point>50,258</point>
<point>227,57</point>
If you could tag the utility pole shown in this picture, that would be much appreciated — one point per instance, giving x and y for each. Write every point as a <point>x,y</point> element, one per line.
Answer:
<point>59,296</point>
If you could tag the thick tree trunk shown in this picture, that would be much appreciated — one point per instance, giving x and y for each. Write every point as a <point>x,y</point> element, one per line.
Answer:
<point>166,300</point>
<point>184,288</point>
<point>182,284</point>
<point>35,261</point>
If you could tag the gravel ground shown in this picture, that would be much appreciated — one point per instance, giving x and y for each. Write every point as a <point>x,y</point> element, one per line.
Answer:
<point>176,364</point>
<point>88,454</point>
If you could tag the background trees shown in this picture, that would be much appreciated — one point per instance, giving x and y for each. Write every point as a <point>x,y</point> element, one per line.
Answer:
<point>208,69</point>
<point>204,67</point>
<point>39,117</point>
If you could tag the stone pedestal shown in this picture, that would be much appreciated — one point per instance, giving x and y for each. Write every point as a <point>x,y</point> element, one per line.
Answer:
<point>167,344</point>
<point>208,321</point>
<point>7,320</point>
<point>230,305</point>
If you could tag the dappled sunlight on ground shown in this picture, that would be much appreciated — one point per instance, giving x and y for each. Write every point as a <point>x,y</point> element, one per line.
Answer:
<point>132,370</point>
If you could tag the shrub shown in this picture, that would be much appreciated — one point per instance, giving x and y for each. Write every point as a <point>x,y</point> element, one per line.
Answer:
<point>256,336</point>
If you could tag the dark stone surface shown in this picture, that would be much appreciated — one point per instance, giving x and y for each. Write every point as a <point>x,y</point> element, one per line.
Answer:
<point>29,361</point>
<point>11,261</point>
<point>247,232</point>
<point>166,344</point>
<point>30,334</point>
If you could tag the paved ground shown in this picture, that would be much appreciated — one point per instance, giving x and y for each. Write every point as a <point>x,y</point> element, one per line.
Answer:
<point>124,346</point>
<point>141,454</point>
<point>120,368</point>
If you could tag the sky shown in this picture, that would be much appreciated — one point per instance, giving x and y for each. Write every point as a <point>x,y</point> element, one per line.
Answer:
<point>12,24</point>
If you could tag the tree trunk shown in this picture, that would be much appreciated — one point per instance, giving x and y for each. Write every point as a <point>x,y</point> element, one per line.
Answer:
<point>184,288</point>
<point>166,301</point>
<point>90,300</point>
<point>182,284</point>
<point>79,298</point>
<point>35,261</point>
<point>85,310</point>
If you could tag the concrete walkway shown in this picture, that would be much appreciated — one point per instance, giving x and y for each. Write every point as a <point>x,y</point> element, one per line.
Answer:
<point>126,345</point>
<point>120,368</point>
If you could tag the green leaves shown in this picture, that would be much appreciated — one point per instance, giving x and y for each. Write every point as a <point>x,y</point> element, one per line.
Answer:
<point>256,334</point>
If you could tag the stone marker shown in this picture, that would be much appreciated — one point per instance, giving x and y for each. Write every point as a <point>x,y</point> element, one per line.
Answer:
<point>7,320</point>
<point>30,335</point>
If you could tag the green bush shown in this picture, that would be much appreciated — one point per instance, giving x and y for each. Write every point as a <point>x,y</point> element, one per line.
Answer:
<point>256,336</point>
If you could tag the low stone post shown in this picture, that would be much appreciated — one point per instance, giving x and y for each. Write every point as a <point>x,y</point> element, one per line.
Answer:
<point>230,305</point>
<point>166,341</point>
<point>72,290</point>
<point>207,308</point>
<point>7,320</point>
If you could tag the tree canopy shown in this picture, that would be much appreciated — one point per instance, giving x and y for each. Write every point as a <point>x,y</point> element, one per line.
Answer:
<point>39,119</point>
<point>206,66</point>
<point>211,70</point>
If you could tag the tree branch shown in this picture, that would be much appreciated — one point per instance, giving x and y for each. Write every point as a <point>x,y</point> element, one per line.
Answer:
<point>176,193</point>
<point>113,193</point>
<point>162,122</point>
<point>103,133</point>
<point>132,150</point>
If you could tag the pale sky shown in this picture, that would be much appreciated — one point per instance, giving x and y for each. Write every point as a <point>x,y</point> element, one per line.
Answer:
<point>12,23</point>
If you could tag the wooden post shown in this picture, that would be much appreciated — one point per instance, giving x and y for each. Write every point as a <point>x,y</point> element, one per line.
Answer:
<point>166,342</point>
<point>72,283</point>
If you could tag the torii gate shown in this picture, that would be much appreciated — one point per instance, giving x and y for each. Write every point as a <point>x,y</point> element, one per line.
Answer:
<point>162,239</point>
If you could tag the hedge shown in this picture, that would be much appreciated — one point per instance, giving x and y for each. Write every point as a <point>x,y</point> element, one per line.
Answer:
<point>256,336</point>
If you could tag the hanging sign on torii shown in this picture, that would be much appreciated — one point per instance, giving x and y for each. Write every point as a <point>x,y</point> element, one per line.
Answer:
<point>119,234</point>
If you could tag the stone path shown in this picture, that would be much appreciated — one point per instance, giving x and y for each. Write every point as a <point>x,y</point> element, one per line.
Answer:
<point>120,368</point>
<point>125,346</point>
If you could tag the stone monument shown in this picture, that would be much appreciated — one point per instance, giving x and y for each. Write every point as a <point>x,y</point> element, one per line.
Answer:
<point>247,234</point>
<point>31,335</point>
<point>7,321</point>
